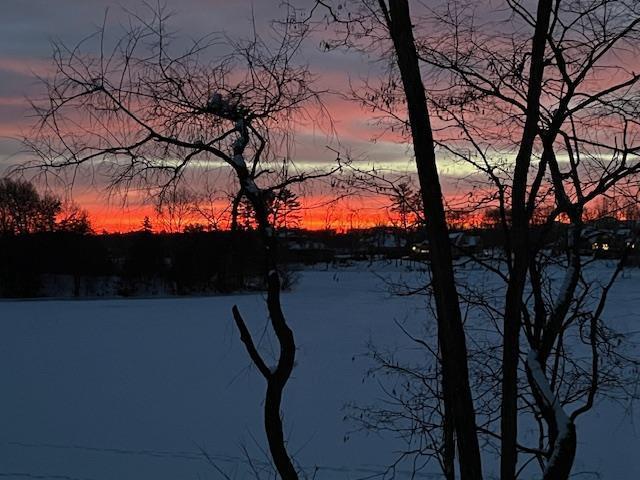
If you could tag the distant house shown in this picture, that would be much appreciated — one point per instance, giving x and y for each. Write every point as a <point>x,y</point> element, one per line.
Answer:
<point>608,239</point>
<point>381,238</point>
<point>465,243</point>
<point>303,247</point>
<point>462,243</point>
<point>420,250</point>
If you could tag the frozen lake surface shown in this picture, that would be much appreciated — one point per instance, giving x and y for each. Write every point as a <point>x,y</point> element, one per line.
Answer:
<point>138,388</point>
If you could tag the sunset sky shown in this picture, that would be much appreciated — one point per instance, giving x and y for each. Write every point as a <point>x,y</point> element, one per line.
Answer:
<point>27,29</point>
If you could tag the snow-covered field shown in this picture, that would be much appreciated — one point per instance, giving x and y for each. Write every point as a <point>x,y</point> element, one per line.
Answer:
<point>137,389</point>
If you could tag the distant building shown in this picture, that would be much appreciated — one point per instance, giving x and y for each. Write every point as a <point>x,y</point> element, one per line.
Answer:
<point>462,243</point>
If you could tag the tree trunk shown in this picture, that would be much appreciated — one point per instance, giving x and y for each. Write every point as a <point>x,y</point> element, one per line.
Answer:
<point>448,440</point>
<point>520,250</point>
<point>562,429</point>
<point>277,377</point>
<point>564,452</point>
<point>450,329</point>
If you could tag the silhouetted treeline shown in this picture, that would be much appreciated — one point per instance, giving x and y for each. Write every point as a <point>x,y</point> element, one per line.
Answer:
<point>64,263</point>
<point>140,263</point>
<point>69,263</point>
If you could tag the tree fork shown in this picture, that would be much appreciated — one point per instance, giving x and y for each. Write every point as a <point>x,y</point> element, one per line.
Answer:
<point>278,377</point>
<point>519,242</point>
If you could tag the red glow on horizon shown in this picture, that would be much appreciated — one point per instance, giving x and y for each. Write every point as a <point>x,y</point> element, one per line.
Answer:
<point>317,213</point>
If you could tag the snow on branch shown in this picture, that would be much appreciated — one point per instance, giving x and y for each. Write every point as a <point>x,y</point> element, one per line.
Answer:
<point>564,426</point>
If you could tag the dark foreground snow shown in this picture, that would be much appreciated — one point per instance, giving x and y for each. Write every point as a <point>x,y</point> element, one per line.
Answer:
<point>136,389</point>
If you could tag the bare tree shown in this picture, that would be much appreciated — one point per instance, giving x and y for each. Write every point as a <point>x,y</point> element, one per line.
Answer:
<point>558,102</point>
<point>406,204</point>
<point>176,209</point>
<point>520,96</point>
<point>145,114</point>
<point>74,219</point>
<point>23,210</point>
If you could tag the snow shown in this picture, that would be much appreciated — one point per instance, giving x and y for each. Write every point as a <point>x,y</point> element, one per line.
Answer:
<point>563,422</point>
<point>134,389</point>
